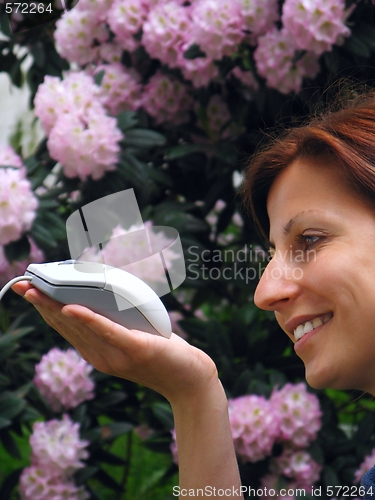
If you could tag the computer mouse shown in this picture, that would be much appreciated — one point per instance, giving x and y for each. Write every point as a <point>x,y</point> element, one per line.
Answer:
<point>106,290</point>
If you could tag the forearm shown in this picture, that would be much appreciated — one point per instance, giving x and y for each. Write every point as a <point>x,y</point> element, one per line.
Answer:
<point>205,446</point>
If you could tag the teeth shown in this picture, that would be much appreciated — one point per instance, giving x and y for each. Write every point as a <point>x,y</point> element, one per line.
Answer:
<point>306,327</point>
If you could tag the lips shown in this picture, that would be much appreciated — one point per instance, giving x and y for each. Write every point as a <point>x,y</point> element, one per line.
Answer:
<point>310,325</point>
<point>304,324</point>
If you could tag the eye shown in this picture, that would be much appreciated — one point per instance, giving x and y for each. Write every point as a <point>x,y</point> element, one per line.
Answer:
<point>307,239</point>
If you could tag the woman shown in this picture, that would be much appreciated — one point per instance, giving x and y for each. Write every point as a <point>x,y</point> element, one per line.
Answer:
<point>312,194</point>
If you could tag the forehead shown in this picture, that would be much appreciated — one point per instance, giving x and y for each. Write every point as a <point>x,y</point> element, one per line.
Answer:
<point>305,187</point>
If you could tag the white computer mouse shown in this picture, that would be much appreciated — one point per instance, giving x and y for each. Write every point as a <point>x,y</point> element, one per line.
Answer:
<point>106,290</point>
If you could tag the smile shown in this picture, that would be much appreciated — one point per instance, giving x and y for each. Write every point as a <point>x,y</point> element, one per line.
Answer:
<point>306,327</point>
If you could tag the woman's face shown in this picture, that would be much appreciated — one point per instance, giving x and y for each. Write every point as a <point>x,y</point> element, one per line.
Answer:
<point>321,279</point>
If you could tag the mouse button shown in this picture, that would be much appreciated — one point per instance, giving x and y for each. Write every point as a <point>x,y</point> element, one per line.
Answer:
<point>68,274</point>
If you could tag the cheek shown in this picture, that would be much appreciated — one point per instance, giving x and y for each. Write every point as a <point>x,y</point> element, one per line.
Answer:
<point>331,277</point>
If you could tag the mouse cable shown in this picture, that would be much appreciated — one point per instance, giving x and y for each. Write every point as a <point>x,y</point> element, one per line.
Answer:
<point>11,283</point>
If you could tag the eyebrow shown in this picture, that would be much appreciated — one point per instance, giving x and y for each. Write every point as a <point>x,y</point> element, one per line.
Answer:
<point>289,225</point>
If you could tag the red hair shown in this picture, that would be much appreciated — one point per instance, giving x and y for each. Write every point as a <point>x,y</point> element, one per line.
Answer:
<point>347,136</point>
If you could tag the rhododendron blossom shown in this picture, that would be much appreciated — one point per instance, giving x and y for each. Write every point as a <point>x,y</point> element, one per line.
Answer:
<point>167,99</point>
<point>274,57</point>
<point>255,426</point>
<point>57,446</point>
<point>317,25</point>
<point>298,466</point>
<point>81,135</point>
<point>166,31</point>
<point>63,378</point>
<point>125,18</point>
<point>365,466</point>
<point>130,250</point>
<point>57,453</point>
<point>9,158</point>
<point>17,204</point>
<point>259,16</point>
<point>217,26</point>
<point>299,413</point>
<point>37,483</point>
<point>76,35</point>
<point>120,89</point>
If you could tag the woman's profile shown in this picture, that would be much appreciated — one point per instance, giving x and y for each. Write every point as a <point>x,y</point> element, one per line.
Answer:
<point>310,191</point>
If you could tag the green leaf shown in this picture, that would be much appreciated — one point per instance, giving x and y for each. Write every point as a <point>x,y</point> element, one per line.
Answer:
<point>17,250</point>
<point>9,338</point>
<point>193,52</point>
<point>357,47</point>
<point>184,150</point>
<point>10,405</point>
<point>126,120</point>
<point>10,444</point>
<point>111,399</point>
<point>163,413</point>
<point>98,77</point>
<point>143,138</point>
<point>115,429</point>
<point>4,422</point>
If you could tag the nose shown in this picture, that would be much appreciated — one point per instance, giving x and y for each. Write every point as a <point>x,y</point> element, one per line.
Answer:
<point>278,286</point>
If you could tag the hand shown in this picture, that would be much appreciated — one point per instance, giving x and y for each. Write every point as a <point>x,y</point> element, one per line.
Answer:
<point>171,367</point>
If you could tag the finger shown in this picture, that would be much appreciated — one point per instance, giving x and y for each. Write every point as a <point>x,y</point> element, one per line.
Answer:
<point>21,287</point>
<point>131,341</point>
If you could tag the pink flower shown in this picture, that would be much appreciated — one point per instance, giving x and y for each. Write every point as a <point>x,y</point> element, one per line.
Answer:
<point>120,89</point>
<point>298,466</point>
<point>255,427</point>
<point>299,414</point>
<point>57,447</point>
<point>175,317</point>
<point>9,158</point>
<point>17,204</point>
<point>37,483</point>
<point>85,145</point>
<point>317,25</point>
<point>218,116</point>
<point>167,99</point>
<point>125,18</point>
<point>73,95</point>
<point>200,71</point>
<point>63,379</point>
<point>366,465</point>
<point>77,35</point>
<point>57,452</point>
<point>173,447</point>
<point>274,57</point>
<point>258,16</point>
<point>97,8</point>
<point>165,32</point>
<point>217,26</point>
<point>111,52</point>
<point>129,250</point>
